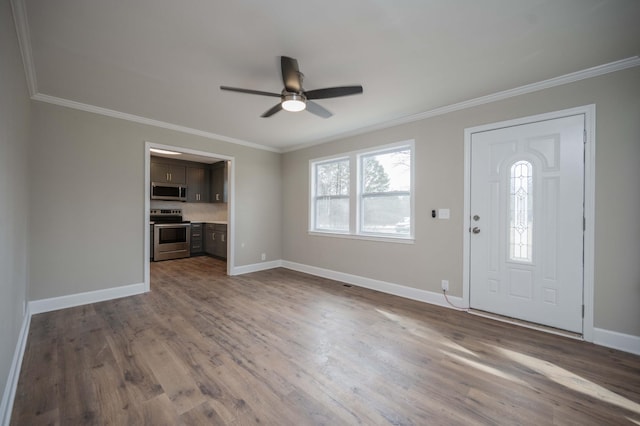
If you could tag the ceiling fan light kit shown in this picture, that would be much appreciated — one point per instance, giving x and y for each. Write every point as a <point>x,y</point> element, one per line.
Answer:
<point>293,98</point>
<point>293,102</point>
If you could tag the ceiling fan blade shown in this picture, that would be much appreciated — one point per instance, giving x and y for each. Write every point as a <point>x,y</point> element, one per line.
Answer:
<point>333,92</point>
<point>290,74</point>
<point>276,108</point>
<point>318,110</point>
<point>249,91</point>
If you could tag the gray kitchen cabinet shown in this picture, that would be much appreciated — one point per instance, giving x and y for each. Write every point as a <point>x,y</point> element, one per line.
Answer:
<point>197,184</point>
<point>216,240</point>
<point>219,182</point>
<point>197,247</point>
<point>168,173</point>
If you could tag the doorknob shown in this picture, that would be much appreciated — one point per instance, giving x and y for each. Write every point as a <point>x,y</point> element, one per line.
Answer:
<point>476,230</point>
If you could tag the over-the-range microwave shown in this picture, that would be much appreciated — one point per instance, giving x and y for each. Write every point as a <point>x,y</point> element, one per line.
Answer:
<point>168,191</point>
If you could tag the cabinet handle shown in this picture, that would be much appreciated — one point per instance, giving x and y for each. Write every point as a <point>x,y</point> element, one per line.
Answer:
<point>222,238</point>
<point>213,236</point>
<point>217,197</point>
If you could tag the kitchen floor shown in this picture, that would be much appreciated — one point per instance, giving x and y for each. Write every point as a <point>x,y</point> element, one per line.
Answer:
<point>189,267</point>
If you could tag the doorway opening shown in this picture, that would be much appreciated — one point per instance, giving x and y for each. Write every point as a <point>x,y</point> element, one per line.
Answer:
<point>205,211</point>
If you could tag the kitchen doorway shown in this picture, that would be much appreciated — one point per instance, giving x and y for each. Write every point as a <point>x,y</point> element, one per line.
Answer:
<point>190,205</point>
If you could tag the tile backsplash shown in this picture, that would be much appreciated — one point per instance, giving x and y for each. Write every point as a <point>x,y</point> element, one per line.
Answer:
<point>195,212</point>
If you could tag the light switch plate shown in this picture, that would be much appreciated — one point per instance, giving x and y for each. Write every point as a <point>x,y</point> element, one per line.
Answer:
<point>443,213</point>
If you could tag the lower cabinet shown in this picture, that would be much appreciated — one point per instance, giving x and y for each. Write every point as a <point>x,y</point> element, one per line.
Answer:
<point>197,247</point>
<point>215,241</point>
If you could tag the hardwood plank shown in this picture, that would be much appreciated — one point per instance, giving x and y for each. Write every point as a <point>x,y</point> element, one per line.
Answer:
<point>203,414</point>
<point>172,374</point>
<point>282,347</point>
<point>159,411</point>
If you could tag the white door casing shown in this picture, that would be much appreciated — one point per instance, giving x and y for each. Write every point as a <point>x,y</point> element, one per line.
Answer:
<point>541,282</point>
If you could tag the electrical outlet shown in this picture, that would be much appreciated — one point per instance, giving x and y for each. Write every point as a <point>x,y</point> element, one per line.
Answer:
<point>445,285</point>
<point>264,256</point>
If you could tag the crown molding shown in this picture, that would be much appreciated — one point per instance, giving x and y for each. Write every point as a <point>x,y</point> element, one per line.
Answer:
<point>620,65</point>
<point>148,121</point>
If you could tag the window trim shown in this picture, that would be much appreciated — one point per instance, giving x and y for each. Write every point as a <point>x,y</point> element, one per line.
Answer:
<point>355,196</point>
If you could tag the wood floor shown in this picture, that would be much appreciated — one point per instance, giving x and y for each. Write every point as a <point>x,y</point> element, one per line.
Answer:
<point>284,348</point>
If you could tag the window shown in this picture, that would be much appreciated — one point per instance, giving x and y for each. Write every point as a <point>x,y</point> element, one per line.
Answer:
<point>364,194</point>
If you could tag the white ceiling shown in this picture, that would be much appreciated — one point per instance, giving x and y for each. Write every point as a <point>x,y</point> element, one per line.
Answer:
<point>164,60</point>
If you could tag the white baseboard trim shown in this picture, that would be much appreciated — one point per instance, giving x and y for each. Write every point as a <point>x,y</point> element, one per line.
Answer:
<point>613,339</point>
<point>6,407</point>
<point>255,267</point>
<point>62,302</point>
<point>431,297</point>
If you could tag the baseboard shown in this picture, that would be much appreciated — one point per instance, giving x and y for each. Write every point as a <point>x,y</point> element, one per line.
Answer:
<point>434,298</point>
<point>615,340</point>
<point>255,267</point>
<point>62,302</point>
<point>6,407</point>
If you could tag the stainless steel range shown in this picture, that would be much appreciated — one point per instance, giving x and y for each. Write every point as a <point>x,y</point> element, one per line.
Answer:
<point>171,235</point>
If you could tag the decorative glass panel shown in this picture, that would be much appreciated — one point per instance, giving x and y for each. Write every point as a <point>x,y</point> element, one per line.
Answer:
<point>521,214</point>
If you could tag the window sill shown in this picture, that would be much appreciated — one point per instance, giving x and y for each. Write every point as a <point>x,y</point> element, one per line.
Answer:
<point>379,238</point>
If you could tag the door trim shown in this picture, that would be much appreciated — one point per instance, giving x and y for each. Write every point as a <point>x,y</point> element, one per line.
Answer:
<point>589,112</point>
<point>231,211</point>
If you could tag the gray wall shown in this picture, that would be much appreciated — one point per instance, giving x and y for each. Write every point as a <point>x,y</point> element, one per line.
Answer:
<point>439,162</point>
<point>14,187</point>
<point>87,199</point>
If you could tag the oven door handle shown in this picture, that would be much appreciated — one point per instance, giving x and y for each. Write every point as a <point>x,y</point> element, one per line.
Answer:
<point>172,225</point>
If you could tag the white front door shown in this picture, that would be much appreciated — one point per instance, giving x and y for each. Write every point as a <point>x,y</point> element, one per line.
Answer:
<point>527,209</point>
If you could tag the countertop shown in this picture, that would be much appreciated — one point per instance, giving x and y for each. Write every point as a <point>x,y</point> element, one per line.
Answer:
<point>218,222</point>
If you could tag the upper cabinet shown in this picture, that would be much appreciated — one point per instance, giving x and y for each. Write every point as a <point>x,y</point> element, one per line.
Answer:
<point>197,184</point>
<point>219,182</point>
<point>206,183</point>
<point>168,173</point>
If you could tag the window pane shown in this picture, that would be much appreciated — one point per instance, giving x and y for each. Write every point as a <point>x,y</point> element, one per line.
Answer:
<point>331,198</point>
<point>385,185</point>
<point>332,214</point>
<point>332,178</point>
<point>521,223</point>
<point>389,214</point>
<point>390,171</point>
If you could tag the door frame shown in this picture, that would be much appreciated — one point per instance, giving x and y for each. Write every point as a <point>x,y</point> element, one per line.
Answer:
<point>589,112</point>
<point>231,212</point>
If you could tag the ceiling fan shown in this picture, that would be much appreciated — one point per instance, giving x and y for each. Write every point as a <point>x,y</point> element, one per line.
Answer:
<point>293,97</point>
